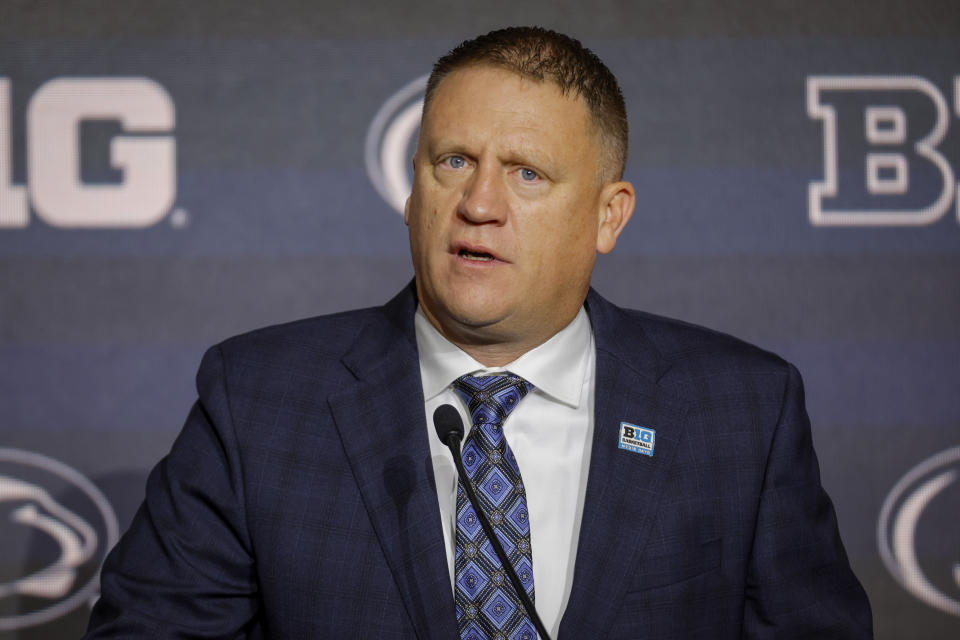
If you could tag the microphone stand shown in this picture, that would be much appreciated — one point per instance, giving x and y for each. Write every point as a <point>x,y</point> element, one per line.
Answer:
<point>453,443</point>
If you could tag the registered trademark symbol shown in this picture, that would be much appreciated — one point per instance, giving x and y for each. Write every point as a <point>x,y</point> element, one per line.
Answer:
<point>180,218</point>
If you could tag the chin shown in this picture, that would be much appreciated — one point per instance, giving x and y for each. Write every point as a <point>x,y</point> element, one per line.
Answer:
<point>468,307</point>
<point>472,313</point>
<point>475,317</point>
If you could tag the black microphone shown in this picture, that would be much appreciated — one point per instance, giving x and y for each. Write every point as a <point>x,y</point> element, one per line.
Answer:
<point>449,426</point>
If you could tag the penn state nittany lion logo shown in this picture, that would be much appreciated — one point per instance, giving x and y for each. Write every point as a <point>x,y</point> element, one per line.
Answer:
<point>56,527</point>
<point>390,141</point>
<point>918,531</point>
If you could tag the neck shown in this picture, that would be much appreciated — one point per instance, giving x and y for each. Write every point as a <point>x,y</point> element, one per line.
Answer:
<point>494,355</point>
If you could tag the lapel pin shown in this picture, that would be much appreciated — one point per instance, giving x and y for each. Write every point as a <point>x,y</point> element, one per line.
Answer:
<point>637,439</point>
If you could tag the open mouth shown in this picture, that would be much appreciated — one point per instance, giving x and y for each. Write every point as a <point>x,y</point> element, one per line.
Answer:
<point>478,256</point>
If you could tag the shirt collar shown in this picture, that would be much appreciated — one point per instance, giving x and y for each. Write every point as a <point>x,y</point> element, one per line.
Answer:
<point>556,367</point>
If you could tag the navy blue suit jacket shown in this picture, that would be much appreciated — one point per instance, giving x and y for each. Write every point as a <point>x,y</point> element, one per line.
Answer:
<point>299,499</point>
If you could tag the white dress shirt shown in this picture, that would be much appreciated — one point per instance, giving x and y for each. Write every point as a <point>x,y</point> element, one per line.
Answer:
<point>550,434</point>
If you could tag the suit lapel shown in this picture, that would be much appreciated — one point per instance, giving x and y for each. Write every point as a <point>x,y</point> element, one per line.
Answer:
<point>623,487</point>
<point>383,429</point>
<point>381,422</point>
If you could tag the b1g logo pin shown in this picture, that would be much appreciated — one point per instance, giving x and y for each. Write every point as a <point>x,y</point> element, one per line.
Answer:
<point>637,439</point>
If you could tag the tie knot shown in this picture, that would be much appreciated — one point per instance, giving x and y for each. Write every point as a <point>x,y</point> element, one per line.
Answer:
<point>491,398</point>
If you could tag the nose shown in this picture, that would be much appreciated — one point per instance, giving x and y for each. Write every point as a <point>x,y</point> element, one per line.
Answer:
<point>484,200</point>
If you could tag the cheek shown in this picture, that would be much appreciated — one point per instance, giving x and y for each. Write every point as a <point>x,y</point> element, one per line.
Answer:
<point>569,248</point>
<point>569,234</point>
<point>548,246</point>
<point>430,201</point>
<point>422,210</point>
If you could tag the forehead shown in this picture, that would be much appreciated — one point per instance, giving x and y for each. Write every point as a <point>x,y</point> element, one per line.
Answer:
<point>487,100</point>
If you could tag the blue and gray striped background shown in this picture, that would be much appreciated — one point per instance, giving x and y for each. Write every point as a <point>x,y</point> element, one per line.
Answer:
<point>101,330</point>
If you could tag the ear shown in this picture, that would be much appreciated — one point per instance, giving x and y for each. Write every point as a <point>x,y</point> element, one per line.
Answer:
<point>406,205</point>
<point>616,206</point>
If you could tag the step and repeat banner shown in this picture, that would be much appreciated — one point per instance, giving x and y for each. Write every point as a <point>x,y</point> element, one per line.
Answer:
<point>173,173</point>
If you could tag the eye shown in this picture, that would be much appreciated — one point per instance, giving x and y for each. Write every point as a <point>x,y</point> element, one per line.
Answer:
<point>455,162</point>
<point>528,175</point>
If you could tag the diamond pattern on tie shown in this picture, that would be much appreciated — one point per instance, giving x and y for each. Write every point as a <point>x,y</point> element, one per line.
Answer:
<point>487,607</point>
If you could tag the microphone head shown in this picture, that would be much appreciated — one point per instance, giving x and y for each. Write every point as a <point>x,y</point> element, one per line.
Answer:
<point>447,422</point>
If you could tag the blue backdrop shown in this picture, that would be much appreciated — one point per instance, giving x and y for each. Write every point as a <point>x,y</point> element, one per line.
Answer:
<point>174,173</point>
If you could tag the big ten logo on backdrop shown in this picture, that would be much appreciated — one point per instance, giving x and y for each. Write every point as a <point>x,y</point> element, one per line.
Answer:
<point>130,182</point>
<point>56,528</point>
<point>918,531</point>
<point>390,141</point>
<point>886,153</point>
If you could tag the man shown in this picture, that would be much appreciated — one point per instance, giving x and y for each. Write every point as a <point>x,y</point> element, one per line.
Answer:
<point>663,474</point>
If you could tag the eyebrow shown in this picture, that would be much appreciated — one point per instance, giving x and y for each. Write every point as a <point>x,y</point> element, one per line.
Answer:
<point>522,153</point>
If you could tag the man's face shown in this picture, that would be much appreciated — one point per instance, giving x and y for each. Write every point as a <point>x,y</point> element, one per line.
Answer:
<point>507,210</point>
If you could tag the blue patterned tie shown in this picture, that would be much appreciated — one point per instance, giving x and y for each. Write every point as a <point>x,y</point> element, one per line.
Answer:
<point>487,607</point>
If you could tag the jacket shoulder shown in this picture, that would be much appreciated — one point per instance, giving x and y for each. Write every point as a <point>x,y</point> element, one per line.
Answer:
<point>307,342</point>
<point>688,357</point>
<point>679,341</point>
